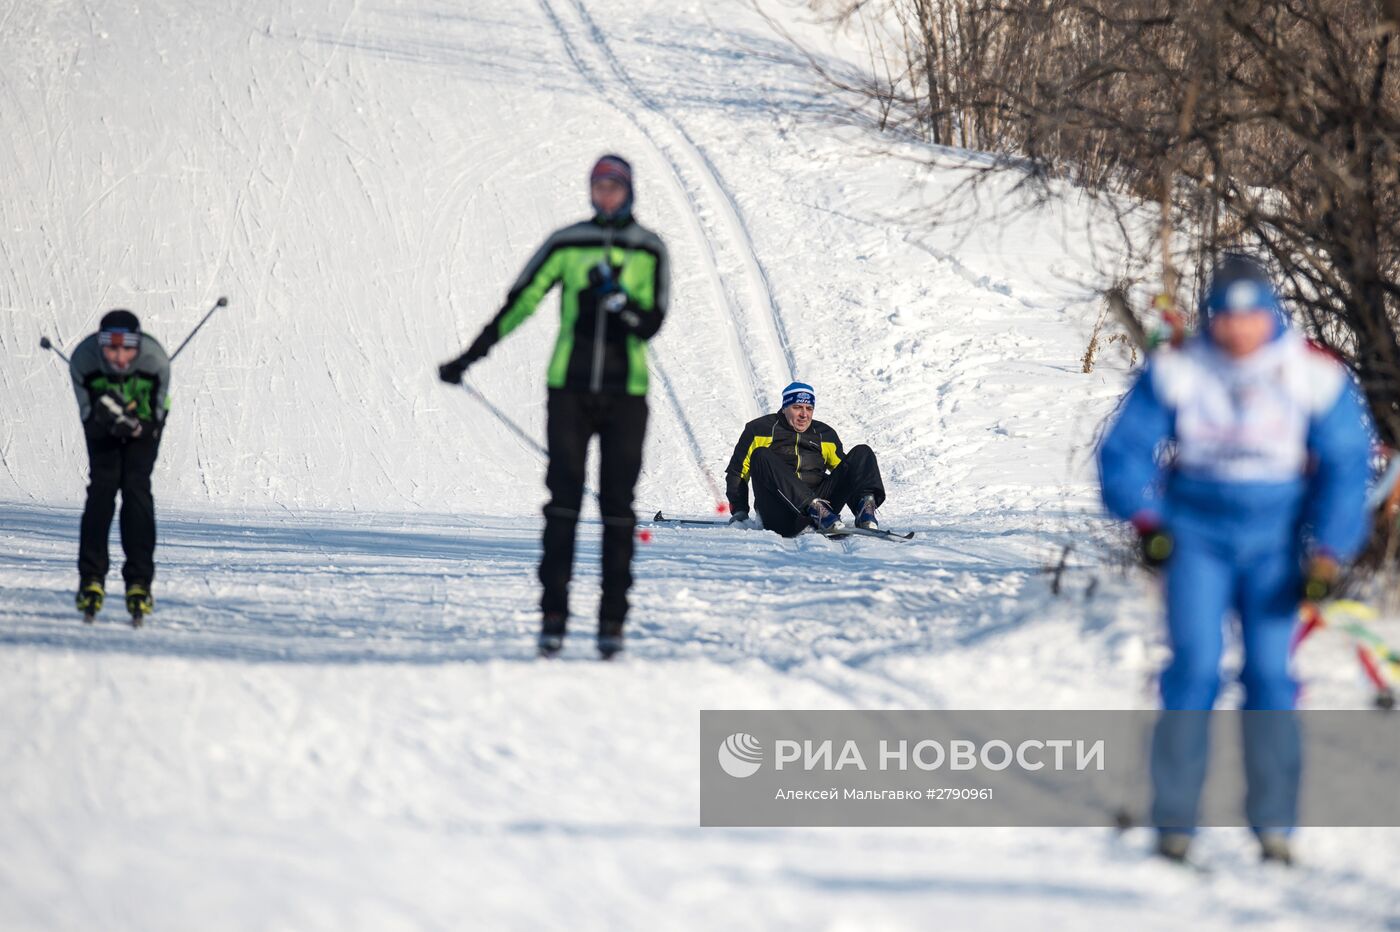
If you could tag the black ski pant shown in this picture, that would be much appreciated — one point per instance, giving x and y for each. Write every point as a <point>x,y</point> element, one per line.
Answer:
<point>782,498</point>
<point>123,466</point>
<point>620,421</point>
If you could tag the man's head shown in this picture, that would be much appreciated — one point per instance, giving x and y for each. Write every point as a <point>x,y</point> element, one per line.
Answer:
<point>1241,309</point>
<point>119,338</point>
<point>799,402</point>
<point>610,187</point>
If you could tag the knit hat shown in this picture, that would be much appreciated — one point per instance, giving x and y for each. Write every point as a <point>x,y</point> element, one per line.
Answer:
<point>119,328</point>
<point>614,168</point>
<point>1238,285</point>
<point>799,393</point>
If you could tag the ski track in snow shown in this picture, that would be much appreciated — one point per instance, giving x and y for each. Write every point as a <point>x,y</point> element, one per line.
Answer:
<point>691,192</point>
<point>334,719</point>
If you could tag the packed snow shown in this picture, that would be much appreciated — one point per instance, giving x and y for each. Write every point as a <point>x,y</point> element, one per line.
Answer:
<point>335,719</point>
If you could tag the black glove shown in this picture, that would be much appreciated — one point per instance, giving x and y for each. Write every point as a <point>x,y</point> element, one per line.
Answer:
<point>1155,547</point>
<point>739,517</point>
<point>1320,583</point>
<point>128,428</point>
<point>116,417</point>
<point>451,372</point>
<point>603,277</point>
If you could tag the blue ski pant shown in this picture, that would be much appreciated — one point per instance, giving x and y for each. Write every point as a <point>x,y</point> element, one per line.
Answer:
<point>1207,582</point>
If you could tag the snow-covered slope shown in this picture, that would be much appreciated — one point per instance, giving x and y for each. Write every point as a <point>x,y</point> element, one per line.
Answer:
<point>334,721</point>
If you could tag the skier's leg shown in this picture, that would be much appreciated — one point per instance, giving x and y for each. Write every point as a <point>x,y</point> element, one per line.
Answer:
<point>779,496</point>
<point>856,477</point>
<point>1200,588</point>
<point>104,479</point>
<point>569,427</point>
<point>1272,744</point>
<point>138,515</point>
<point>620,463</point>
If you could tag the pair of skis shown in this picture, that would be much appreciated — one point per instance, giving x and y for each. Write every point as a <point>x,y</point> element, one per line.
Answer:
<point>138,619</point>
<point>834,534</point>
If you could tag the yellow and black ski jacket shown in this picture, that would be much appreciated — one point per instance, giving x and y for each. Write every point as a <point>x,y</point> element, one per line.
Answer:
<point>596,351</point>
<point>811,454</point>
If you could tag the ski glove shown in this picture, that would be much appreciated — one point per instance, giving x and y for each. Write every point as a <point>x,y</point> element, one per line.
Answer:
<point>1322,577</point>
<point>1155,546</point>
<point>115,417</point>
<point>127,428</point>
<point>603,277</point>
<point>452,372</point>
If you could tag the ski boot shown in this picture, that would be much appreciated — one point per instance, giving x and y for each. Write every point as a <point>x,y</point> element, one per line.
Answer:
<point>551,640</point>
<point>822,517</point>
<point>139,603</point>
<point>1274,848</point>
<point>610,641</point>
<point>1173,846</point>
<point>865,514</point>
<point>89,599</point>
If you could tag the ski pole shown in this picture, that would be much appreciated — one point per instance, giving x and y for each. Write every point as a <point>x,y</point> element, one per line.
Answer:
<point>47,344</point>
<point>222,302</point>
<point>515,429</point>
<point>505,421</point>
<point>721,501</point>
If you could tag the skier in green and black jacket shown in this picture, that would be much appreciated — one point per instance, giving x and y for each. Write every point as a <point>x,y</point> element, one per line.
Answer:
<point>121,378</point>
<point>615,280</point>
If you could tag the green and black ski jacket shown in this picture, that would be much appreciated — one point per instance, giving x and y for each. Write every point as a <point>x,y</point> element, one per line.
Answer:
<point>146,382</point>
<point>596,351</point>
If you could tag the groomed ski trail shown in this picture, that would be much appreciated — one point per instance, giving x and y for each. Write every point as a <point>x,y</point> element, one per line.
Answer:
<point>699,187</point>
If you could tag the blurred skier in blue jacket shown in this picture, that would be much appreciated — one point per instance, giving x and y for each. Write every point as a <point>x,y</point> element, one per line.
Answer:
<point>1255,509</point>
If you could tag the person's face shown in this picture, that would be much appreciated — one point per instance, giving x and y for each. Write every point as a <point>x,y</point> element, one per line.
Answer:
<point>119,357</point>
<point>609,195</point>
<point>799,416</point>
<point>1242,334</point>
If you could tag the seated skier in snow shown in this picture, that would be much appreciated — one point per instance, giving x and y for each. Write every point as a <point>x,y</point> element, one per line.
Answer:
<point>801,476</point>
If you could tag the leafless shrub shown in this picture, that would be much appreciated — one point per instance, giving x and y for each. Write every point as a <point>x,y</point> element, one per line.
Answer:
<point>1269,125</point>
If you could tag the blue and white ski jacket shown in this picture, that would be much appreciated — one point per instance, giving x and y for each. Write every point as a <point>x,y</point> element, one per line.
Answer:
<point>1271,450</point>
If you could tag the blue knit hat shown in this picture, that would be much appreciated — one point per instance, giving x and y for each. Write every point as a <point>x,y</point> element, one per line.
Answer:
<point>799,393</point>
<point>1238,285</point>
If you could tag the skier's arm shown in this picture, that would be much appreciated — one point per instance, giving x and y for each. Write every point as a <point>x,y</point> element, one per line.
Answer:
<point>538,276</point>
<point>159,364</point>
<point>646,307</point>
<point>1129,472</point>
<point>1340,441</point>
<point>80,389</point>
<point>84,364</point>
<point>736,474</point>
<point>832,451</point>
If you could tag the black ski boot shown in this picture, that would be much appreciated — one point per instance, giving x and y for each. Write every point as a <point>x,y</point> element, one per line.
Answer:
<point>1275,848</point>
<point>610,641</point>
<point>552,628</point>
<point>139,603</point>
<point>91,592</point>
